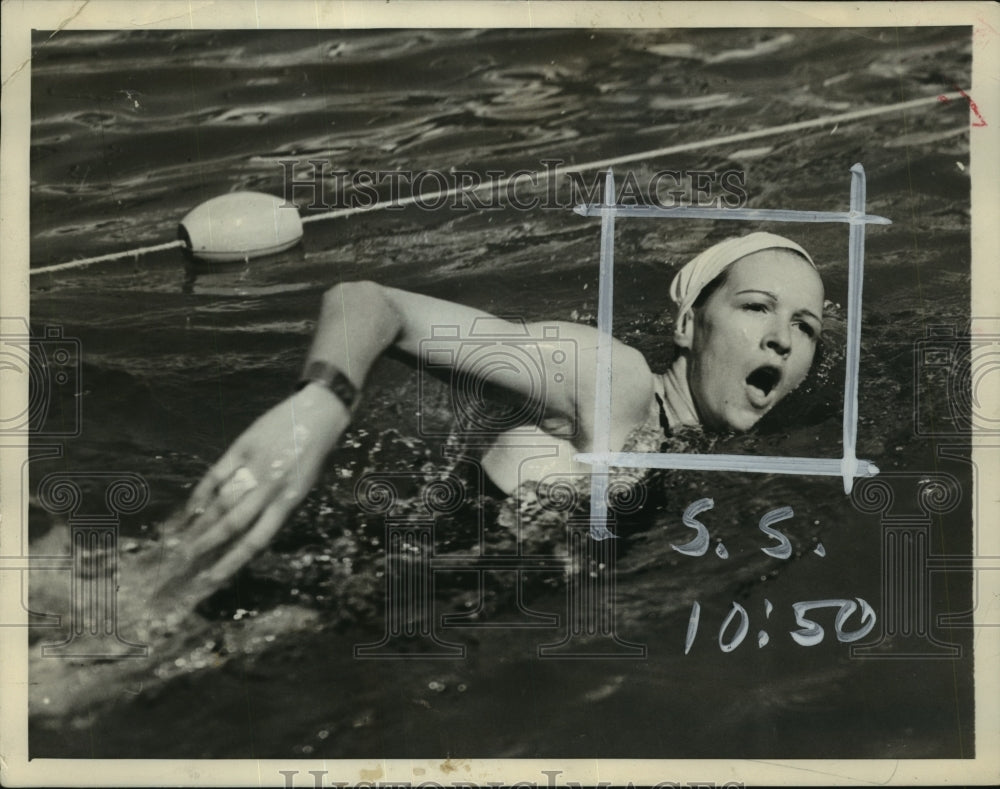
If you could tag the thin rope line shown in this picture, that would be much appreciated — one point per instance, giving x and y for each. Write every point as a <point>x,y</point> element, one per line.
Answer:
<point>112,256</point>
<point>845,117</point>
<point>544,175</point>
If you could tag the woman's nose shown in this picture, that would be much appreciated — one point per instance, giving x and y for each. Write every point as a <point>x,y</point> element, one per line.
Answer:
<point>779,338</point>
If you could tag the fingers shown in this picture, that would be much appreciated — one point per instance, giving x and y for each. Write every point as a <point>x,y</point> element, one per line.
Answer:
<point>213,479</point>
<point>194,584</point>
<point>255,540</point>
<point>232,492</point>
<point>229,522</point>
<point>237,504</point>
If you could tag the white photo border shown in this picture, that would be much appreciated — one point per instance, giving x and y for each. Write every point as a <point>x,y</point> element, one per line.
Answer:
<point>21,17</point>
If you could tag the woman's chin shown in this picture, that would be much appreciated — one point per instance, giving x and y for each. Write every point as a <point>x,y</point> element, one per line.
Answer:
<point>742,421</point>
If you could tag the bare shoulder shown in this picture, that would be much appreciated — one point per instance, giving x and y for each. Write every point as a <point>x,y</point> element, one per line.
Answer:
<point>631,378</point>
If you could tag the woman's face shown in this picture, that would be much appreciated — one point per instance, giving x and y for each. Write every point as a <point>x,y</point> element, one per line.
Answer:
<point>754,339</point>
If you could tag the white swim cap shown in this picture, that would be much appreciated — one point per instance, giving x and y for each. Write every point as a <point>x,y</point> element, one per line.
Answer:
<point>692,279</point>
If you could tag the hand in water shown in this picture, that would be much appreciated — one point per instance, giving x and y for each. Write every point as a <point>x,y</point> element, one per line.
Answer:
<point>253,488</point>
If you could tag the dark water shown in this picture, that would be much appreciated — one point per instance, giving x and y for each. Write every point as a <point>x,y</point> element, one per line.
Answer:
<point>132,130</point>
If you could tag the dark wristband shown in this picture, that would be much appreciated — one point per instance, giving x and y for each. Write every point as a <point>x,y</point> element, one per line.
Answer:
<point>320,372</point>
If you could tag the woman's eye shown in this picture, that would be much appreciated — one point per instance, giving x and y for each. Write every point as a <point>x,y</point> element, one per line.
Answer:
<point>755,306</point>
<point>807,329</point>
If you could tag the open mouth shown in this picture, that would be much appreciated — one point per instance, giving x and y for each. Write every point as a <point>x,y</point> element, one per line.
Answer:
<point>764,379</point>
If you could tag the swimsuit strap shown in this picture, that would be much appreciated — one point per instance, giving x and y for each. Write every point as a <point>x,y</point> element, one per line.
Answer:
<point>661,406</point>
<point>664,422</point>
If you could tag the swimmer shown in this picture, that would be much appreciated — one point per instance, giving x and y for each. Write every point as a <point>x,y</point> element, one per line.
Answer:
<point>749,316</point>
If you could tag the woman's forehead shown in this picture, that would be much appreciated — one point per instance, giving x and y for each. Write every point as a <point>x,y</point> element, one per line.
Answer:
<point>778,271</point>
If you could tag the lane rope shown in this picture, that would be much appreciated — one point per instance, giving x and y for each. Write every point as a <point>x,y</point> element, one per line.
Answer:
<point>845,117</point>
<point>112,256</point>
<point>544,175</point>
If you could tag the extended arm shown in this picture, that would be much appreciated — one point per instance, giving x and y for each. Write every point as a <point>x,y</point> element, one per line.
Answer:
<point>258,482</point>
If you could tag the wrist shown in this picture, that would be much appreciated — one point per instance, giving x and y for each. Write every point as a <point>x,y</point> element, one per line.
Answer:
<point>321,374</point>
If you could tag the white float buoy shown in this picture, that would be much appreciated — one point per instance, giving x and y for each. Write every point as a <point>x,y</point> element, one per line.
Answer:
<point>240,226</point>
